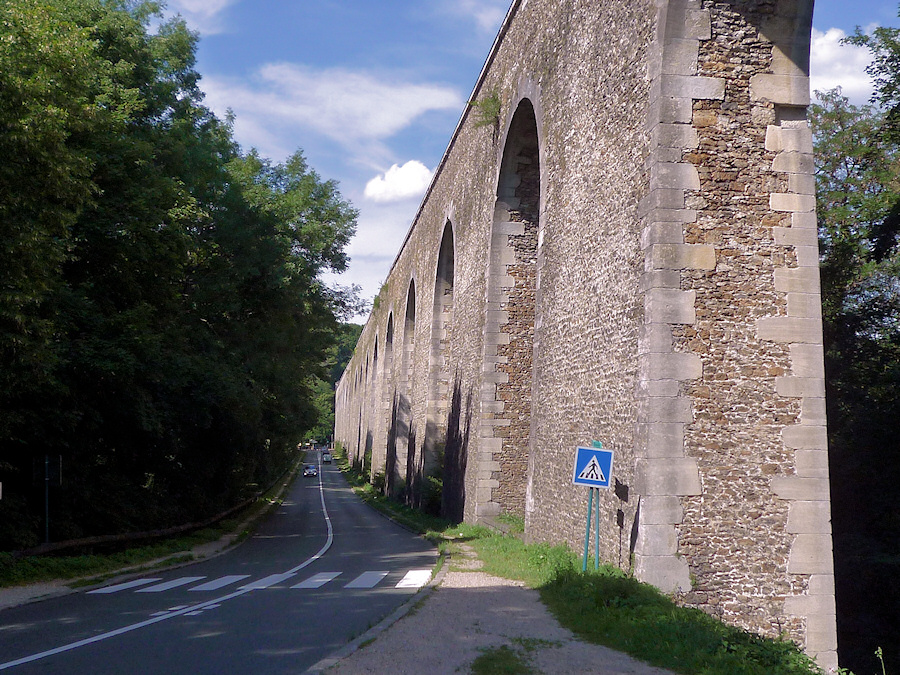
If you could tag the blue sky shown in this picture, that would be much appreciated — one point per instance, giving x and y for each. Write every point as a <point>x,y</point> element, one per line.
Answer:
<point>372,90</point>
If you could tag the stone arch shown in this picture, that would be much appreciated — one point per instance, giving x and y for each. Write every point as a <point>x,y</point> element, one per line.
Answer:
<point>510,321</point>
<point>432,460</point>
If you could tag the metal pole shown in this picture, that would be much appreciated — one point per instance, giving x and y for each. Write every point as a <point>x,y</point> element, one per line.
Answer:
<point>587,529</point>
<point>597,534</point>
<point>46,499</point>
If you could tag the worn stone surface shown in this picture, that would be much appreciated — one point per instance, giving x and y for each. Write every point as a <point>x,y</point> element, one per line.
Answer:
<point>635,262</point>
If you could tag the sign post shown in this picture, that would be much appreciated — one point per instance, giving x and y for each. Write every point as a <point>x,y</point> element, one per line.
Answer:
<point>593,468</point>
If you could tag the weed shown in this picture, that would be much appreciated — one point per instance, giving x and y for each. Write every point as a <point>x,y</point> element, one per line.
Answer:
<point>487,110</point>
<point>500,661</point>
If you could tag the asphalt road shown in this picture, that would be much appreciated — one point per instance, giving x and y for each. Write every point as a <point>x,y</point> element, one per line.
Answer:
<point>320,570</point>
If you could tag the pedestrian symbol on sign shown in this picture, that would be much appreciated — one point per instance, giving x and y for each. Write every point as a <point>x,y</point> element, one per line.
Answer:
<point>592,471</point>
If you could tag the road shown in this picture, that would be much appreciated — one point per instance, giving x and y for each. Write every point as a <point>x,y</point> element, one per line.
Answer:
<point>320,570</point>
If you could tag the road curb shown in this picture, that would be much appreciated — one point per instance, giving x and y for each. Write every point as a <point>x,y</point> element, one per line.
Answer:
<point>376,630</point>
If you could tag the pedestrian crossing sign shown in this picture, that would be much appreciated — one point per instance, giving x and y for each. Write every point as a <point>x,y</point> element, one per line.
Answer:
<point>593,467</point>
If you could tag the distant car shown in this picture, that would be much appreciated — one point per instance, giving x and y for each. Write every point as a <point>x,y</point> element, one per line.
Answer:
<point>310,470</point>
<point>326,457</point>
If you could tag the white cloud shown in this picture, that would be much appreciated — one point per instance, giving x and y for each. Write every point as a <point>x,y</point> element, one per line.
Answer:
<point>399,183</point>
<point>833,64</point>
<point>487,14</point>
<point>356,109</point>
<point>202,15</point>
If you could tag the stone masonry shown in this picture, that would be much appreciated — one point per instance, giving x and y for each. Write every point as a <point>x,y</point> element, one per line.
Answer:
<point>626,253</point>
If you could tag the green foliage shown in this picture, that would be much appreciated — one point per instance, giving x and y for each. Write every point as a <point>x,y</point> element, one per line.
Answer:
<point>487,110</point>
<point>501,660</point>
<point>162,324</point>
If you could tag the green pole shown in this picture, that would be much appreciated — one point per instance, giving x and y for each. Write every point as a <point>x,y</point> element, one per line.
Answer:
<point>587,529</point>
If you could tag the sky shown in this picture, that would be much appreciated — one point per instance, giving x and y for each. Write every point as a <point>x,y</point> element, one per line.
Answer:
<point>371,91</point>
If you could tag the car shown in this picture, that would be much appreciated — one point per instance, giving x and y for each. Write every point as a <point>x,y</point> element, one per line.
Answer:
<point>310,470</point>
<point>326,457</point>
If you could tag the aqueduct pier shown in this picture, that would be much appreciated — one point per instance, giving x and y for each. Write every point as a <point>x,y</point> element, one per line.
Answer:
<point>619,244</point>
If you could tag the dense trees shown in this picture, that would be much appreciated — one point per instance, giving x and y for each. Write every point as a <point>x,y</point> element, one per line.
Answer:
<point>858,201</point>
<point>161,318</point>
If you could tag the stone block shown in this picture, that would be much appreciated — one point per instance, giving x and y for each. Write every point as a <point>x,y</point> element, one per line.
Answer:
<point>808,360</point>
<point>697,24</point>
<point>645,388</point>
<point>680,136</point>
<point>654,337</point>
<point>672,366</point>
<point>799,387</point>
<point>773,138</point>
<point>667,477</point>
<point>812,411</point>
<point>693,87</point>
<point>812,463</point>
<point>656,540</point>
<point>661,510</point>
<point>662,233</point>
<point>791,236</point>
<point>821,633</point>
<point>789,329</point>
<point>804,306</point>
<point>804,220</point>
<point>794,162</point>
<point>662,198</point>
<point>660,279</point>
<point>803,489</point>
<point>680,57</point>
<point>682,256</point>
<point>797,280</point>
<point>809,518</point>
<point>672,409</point>
<point>668,573</point>
<point>811,554</point>
<point>807,256</point>
<point>801,183</point>
<point>797,139</point>
<point>659,440</point>
<point>821,584</point>
<point>780,89</point>
<point>804,437</point>
<point>789,202</point>
<point>662,305</point>
<point>675,176</point>
<point>809,605</point>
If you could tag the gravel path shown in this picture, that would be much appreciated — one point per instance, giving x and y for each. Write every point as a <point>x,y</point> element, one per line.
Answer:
<point>471,611</point>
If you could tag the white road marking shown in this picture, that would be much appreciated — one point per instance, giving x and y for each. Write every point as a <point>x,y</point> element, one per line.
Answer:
<point>121,587</point>
<point>168,585</point>
<point>415,579</point>
<point>216,584</point>
<point>265,582</point>
<point>318,580</point>
<point>367,580</point>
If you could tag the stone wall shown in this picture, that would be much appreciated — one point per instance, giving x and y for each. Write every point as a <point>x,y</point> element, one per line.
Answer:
<point>634,261</point>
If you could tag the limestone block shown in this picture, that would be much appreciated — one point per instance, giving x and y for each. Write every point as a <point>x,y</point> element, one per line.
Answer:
<point>797,139</point>
<point>663,305</point>
<point>804,489</point>
<point>821,633</point>
<point>645,388</point>
<point>676,176</point>
<point>811,554</point>
<point>821,584</point>
<point>773,138</point>
<point>791,236</point>
<point>794,162</point>
<point>693,87</point>
<point>662,198</point>
<point>789,202</point>
<point>804,305</point>
<point>487,509</point>
<point>662,233</point>
<point>677,215</point>
<point>654,337</point>
<point>665,409</point>
<point>809,518</point>
<point>807,256</point>
<point>797,280</point>
<point>809,605</point>
<point>661,510</point>
<point>656,540</point>
<point>799,387</point>
<point>660,279</point>
<point>808,360</point>
<point>680,57</point>
<point>680,136</point>
<point>667,477</point>
<point>812,411</point>
<point>682,256</point>
<point>804,437</point>
<point>672,366</point>
<point>788,329</point>
<point>804,184</point>
<point>812,463</point>
<point>670,110</point>
<point>804,220</point>
<point>780,89</point>
<point>659,440</point>
<point>668,573</point>
<point>697,24</point>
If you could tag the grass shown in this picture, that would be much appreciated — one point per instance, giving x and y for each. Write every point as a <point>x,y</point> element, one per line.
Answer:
<point>501,661</point>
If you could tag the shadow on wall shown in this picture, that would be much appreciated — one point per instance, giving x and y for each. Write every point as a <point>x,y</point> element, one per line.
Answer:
<point>390,460</point>
<point>456,452</point>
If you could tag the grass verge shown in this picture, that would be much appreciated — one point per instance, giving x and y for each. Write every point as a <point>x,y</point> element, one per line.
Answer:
<point>604,606</point>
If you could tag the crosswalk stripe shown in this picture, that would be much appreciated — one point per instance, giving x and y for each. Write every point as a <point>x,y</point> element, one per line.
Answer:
<point>216,584</point>
<point>124,586</point>
<point>367,580</point>
<point>318,580</point>
<point>415,579</point>
<point>168,585</point>
<point>270,580</point>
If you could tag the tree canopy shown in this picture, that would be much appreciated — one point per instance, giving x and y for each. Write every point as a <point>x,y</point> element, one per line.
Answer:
<point>162,321</point>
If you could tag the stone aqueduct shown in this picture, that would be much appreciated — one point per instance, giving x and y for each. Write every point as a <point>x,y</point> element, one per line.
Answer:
<point>626,252</point>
